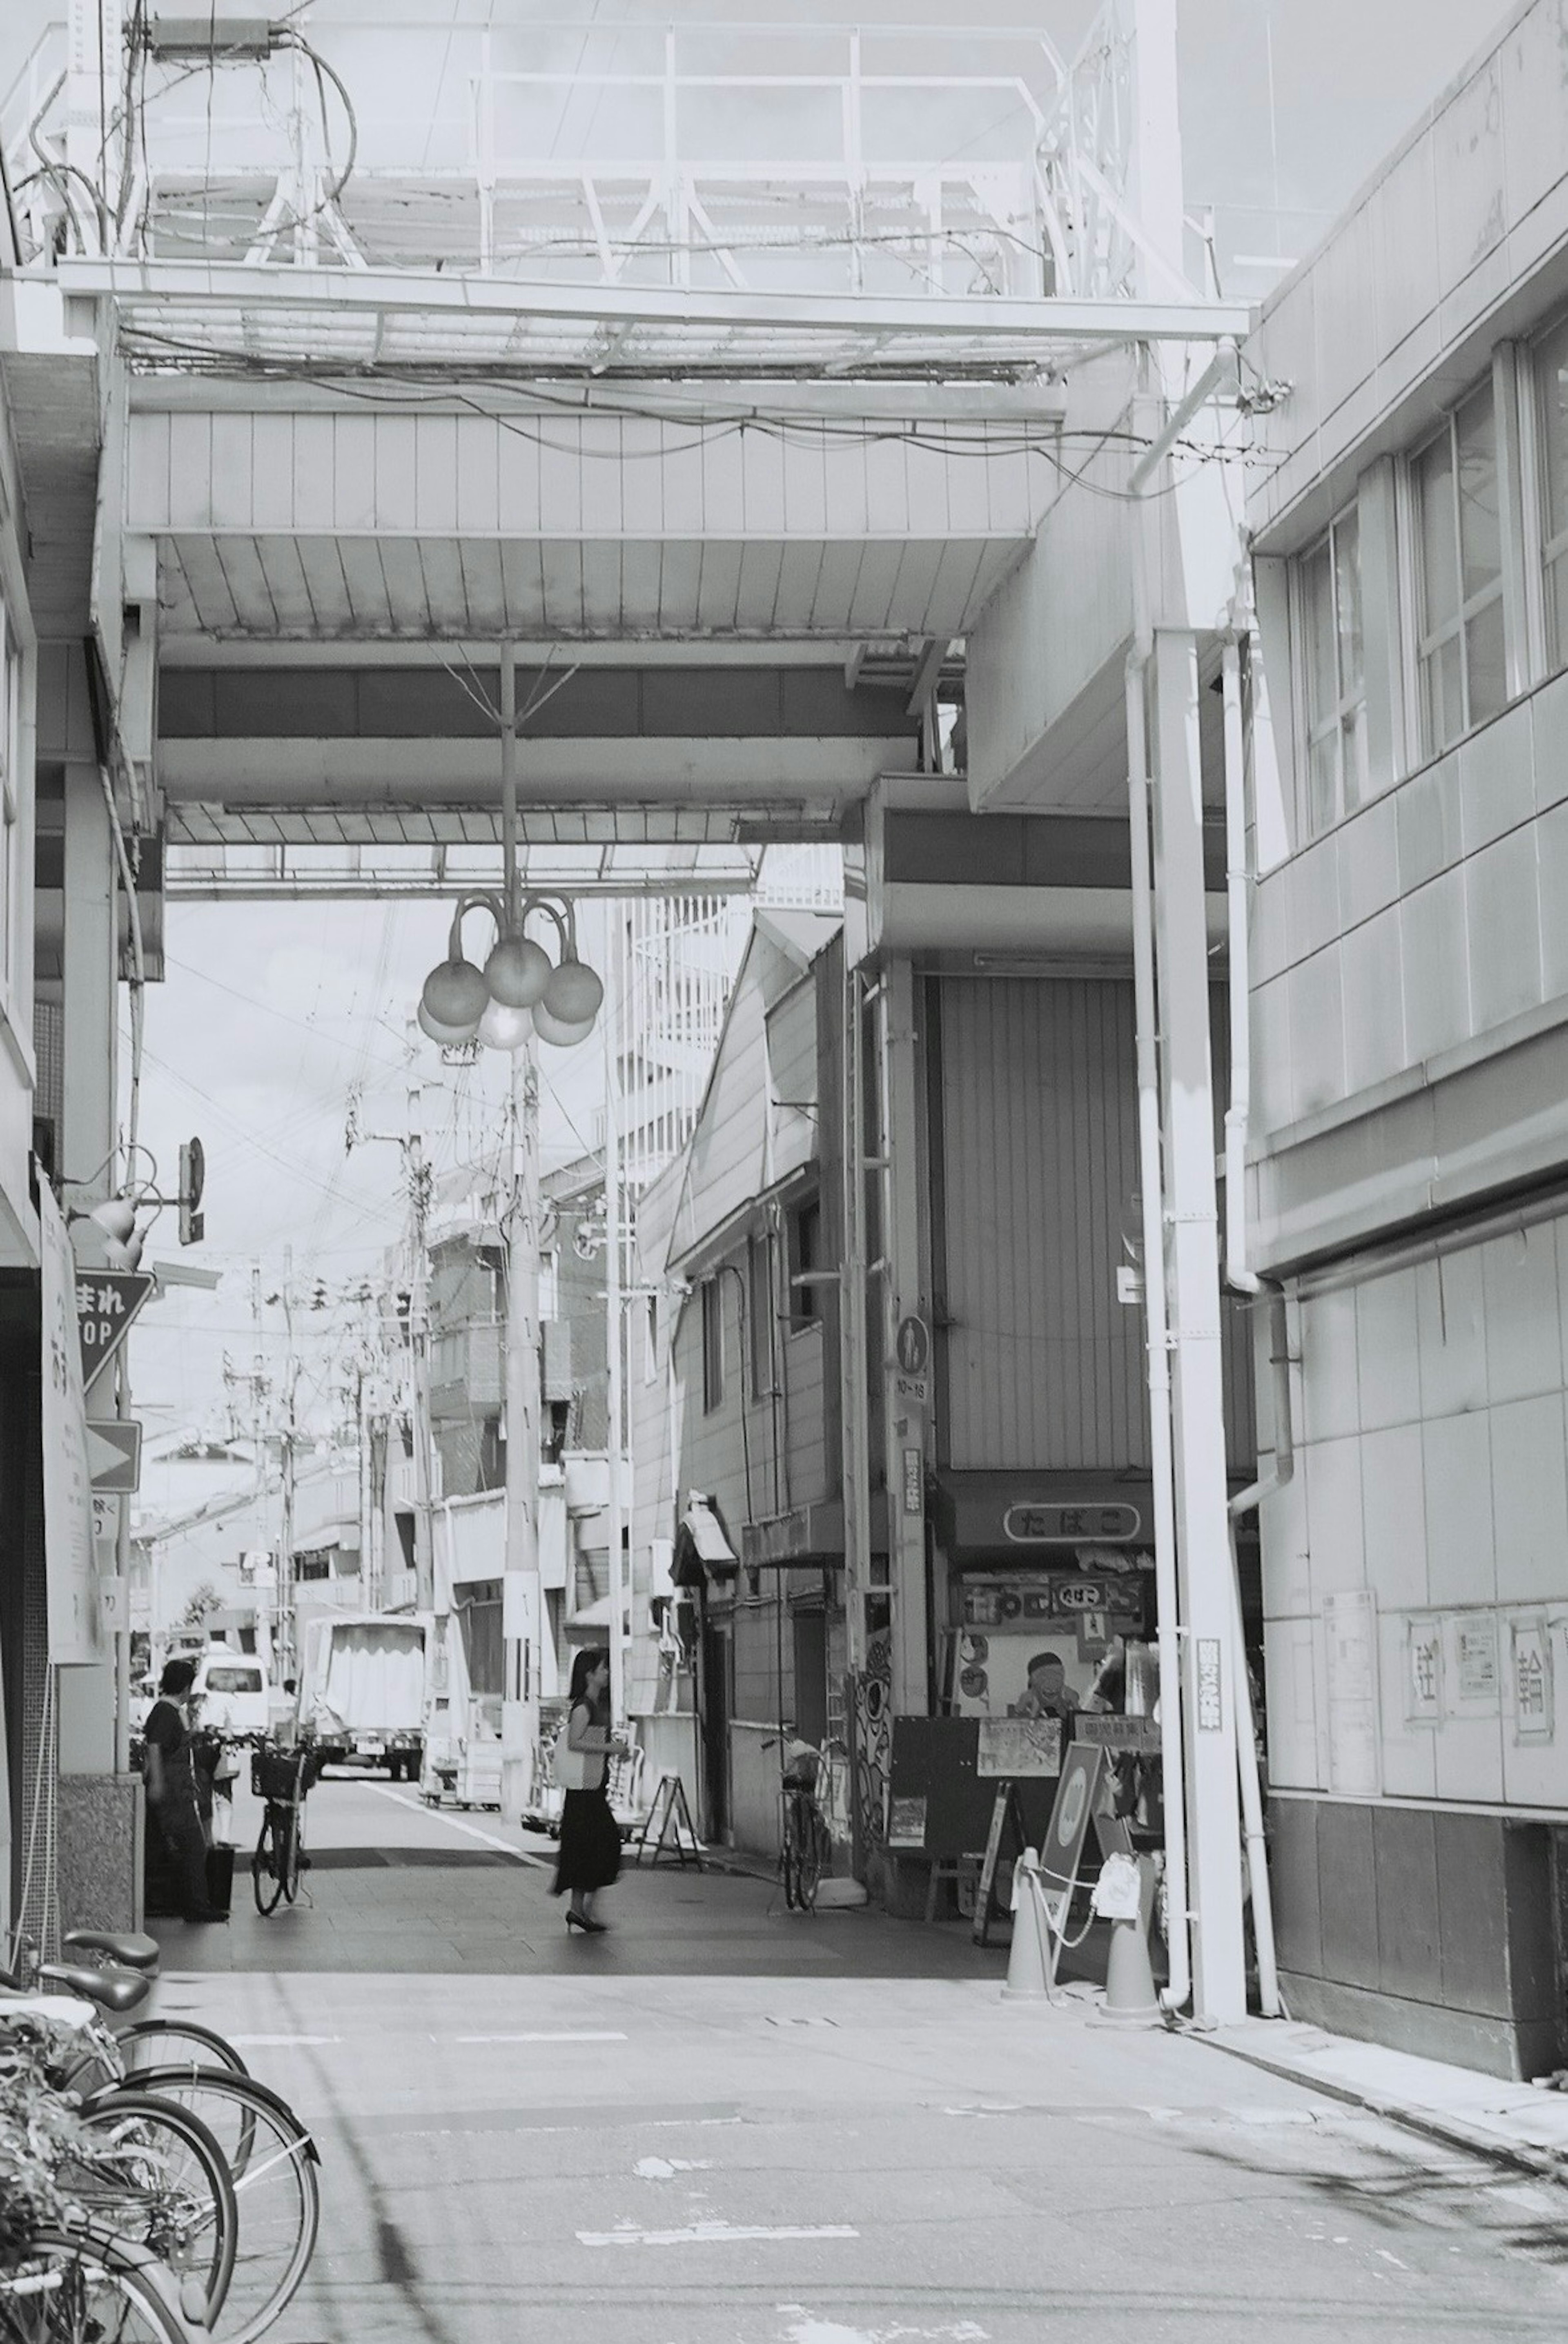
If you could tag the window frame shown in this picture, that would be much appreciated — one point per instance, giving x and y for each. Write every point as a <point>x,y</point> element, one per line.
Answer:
<point>804,1309</point>
<point>762,1311</point>
<point>1345,705</point>
<point>1545,552</point>
<point>712,1293</point>
<point>1426,647</point>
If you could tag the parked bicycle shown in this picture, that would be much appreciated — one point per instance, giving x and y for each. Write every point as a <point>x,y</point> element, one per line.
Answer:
<point>193,2160</point>
<point>281,1777</point>
<point>805,1843</point>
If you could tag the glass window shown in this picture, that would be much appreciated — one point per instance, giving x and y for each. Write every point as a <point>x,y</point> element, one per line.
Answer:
<point>1460,649</point>
<point>1329,582</point>
<point>712,1343</point>
<point>1552,395</point>
<point>760,1309</point>
<point>805,1263</point>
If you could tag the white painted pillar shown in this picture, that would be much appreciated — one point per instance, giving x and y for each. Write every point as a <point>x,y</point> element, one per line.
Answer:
<point>1155,163</point>
<point>90,960</point>
<point>521,1603</point>
<point>1192,1259</point>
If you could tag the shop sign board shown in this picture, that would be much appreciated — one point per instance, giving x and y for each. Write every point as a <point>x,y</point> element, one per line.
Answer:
<point>914,1482</point>
<point>1210,1698</point>
<point>1140,1735</point>
<point>1029,1524</point>
<point>1472,1668</point>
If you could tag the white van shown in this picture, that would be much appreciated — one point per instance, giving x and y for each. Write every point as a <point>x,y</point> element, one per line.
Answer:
<point>236,1696</point>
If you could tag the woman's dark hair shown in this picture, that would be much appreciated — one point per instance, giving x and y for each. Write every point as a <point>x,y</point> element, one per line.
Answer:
<point>591,1657</point>
<point>178,1676</point>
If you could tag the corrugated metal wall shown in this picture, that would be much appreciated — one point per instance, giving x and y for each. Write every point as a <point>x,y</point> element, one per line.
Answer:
<point>1035,1083</point>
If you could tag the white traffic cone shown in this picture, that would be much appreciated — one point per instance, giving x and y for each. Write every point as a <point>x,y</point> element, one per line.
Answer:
<point>1130,1999</point>
<point>1028,1961</point>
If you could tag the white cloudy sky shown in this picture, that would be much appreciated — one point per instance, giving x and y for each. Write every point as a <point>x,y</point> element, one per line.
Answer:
<point>271,1016</point>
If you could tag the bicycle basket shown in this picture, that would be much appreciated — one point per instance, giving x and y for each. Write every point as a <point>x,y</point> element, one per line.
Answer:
<point>279,1774</point>
<point>800,1772</point>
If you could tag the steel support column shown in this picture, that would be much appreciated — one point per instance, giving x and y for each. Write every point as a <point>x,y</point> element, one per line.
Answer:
<point>1192,1258</point>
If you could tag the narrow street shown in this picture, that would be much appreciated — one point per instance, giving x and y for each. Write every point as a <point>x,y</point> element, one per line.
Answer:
<point>719,2126</point>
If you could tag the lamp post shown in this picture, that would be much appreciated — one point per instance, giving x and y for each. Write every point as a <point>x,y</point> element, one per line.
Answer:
<point>517,999</point>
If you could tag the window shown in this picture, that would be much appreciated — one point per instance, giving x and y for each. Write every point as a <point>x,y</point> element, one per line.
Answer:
<point>712,1343</point>
<point>651,1340</point>
<point>760,1308</point>
<point>1333,673</point>
<point>1551,393</point>
<point>10,758</point>
<point>1460,659</point>
<point>804,1260</point>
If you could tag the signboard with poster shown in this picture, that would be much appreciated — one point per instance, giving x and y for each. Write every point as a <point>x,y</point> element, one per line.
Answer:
<point>1530,1642</point>
<point>1014,1749</point>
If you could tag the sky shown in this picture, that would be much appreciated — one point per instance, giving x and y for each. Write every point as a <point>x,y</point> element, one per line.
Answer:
<point>271,1017</point>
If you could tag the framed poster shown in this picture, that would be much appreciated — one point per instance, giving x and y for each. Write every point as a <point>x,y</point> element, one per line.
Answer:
<point>906,1823</point>
<point>1015,1748</point>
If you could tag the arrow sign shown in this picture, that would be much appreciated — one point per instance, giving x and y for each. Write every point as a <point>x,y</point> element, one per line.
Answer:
<point>106,1302</point>
<point>115,1456</point>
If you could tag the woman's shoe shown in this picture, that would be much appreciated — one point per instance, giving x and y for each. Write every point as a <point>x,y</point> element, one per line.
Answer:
<point>581,1921</point>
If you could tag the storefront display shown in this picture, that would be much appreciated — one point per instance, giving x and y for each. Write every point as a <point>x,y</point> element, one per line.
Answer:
<point>1032,1643</point>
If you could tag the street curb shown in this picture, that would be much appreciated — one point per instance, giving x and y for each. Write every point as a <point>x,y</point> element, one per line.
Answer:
<point>1452,2132</point>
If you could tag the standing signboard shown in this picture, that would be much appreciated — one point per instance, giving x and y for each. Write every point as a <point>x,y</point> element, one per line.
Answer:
<point>70,1559</point>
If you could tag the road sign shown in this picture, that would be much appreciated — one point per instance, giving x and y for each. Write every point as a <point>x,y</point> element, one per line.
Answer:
<point>106,1302</point>
<point>913,1346</point>
<point>115,1456</point>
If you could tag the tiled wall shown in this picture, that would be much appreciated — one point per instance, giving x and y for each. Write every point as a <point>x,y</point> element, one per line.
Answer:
<point>1431,918</point>
<point>1432,1468</point>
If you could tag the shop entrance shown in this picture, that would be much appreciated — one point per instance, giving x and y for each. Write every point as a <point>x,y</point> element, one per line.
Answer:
<point>810,1676</point>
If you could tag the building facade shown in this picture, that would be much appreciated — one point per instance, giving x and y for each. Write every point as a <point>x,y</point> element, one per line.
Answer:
<point>1408,1174</point>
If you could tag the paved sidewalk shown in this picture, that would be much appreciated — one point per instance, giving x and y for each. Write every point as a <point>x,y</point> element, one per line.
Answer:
<point>1484,2113</point>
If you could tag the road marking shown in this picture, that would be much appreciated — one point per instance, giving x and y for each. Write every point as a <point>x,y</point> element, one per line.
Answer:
<point>715,2234</point>
<point>809,2330</point>
<point>664,2169</point>
<point>582,2034</point>
<point>474,1831</point>
<point>278,2042</point>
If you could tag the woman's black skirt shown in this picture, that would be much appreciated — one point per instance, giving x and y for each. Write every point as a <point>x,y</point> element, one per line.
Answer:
<point>589,1844</point>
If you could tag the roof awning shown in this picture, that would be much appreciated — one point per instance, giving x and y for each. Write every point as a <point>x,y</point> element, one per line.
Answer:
<point>807,1534</point>
<point>592,1624</point>
<point>703,1549</point>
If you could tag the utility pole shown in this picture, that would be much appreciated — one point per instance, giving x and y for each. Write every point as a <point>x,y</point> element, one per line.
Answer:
<point>286,1608</point>
<point>420,1344</point>
<point>521,1601</point>
<point>615,1495</point>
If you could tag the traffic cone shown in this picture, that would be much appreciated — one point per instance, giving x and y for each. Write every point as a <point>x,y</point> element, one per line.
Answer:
<point>1130,1999</point>
<point>1028,1961</point>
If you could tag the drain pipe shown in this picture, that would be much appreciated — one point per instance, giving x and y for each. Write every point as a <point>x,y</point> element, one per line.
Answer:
<point>1157,1322</point>
<point>1243,1279</point>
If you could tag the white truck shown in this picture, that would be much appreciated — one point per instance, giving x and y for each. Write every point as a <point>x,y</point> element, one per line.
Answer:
<point>362,1690</point>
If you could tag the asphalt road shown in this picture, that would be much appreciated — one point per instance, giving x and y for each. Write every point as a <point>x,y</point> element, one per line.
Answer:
<point>722,2125</point>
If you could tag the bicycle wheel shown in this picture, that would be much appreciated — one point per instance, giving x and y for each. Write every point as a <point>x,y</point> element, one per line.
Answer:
<point>175,2043</point>
<point>808,1858</point>
<point>789,1857</point>
<point>266,1865</point>
<point>82,2287</point>
<point>272,2159</point>
<point>289,1867</point>
<point>154,2174</point>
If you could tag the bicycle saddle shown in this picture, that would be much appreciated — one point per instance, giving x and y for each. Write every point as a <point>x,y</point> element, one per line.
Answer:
<point>131,1951</point>
<point>113,1990</point>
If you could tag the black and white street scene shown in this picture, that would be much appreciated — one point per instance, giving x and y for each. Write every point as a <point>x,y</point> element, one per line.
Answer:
<point>784,1171</point>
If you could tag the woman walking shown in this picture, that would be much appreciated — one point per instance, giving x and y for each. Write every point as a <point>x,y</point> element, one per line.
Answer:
<point>589,1856</point>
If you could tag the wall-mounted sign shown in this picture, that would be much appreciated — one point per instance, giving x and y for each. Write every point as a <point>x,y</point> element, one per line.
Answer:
<point>1052,1525</point>
<point>1472,1666</point>
<point>914,1482</point>
<point>1350,1642</point>
<point>1423,1669</point>
<point>1531,1667</point>
<point>1139,1734</point>
<point>1014,1749</point>
<point>1210,1692</point>
<point>912,1345</point>
<point>106,1302</point>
